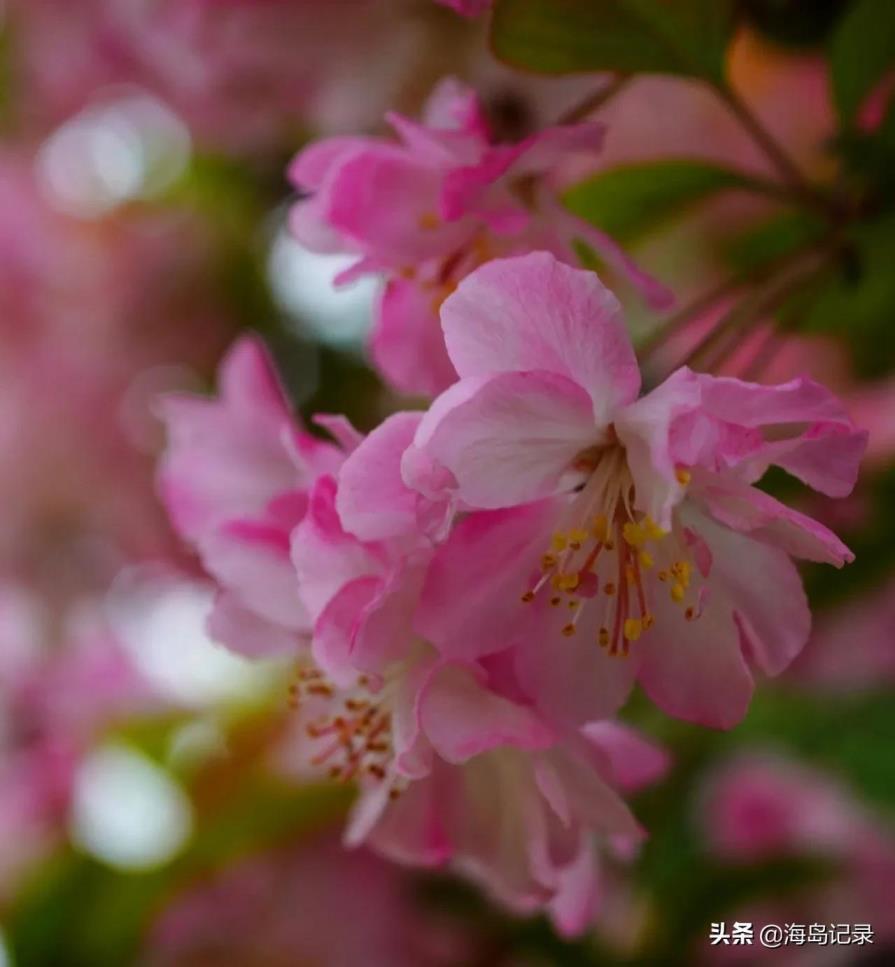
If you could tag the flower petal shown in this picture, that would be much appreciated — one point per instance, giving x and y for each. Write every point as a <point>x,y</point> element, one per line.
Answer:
<point>245,632</point>
<point>533,312</point>
<point>751,511</point>
<point>251,560</point>
<point>324,556</point>
<point>696,670</point>
<point>765,592</point>
<point>407,342</point>
<point>512,438</point>
<point>387,201</point>
<point>470,604</point>
<point>372,501</point>
<point>462,718</point>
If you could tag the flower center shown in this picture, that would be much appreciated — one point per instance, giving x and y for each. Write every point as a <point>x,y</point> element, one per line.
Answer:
<point>611,559</point>
<point>351,727</point>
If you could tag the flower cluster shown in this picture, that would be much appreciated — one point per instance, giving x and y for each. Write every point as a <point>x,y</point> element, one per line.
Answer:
<point>428,210</point>
<point>471,593</point>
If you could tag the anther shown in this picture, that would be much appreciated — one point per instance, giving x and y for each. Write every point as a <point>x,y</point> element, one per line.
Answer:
<point>632,628</point>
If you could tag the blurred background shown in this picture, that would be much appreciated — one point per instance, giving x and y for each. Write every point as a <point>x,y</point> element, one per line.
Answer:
<point>148,813</point>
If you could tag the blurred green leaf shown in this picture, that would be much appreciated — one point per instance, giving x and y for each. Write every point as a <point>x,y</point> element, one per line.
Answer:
<point>634,199</point>
<point>859,302</point>
<point>687,37</point>
<point>774,238</point>
<point>861,51</point>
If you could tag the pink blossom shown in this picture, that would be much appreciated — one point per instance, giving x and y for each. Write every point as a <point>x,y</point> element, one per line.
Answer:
<point>428,209</point>
<point>760,806</point>
<point>436,746</point>
<point>294,904</point>
<point>630,527</point>
<point>851,646</point>
<point>235,480</point>
<point>55,701</point>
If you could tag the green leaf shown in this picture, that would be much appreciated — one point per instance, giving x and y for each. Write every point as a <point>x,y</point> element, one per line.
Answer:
<point>861,51</point>
<point>859,304</point>
<point>631,200</point>
<point>685,37</point>
<point>779,236</point>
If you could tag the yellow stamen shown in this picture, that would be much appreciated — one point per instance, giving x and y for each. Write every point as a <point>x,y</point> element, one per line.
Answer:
<point>677,592</point>
<point>634,534</point>
<point>683,476</point>
<point>633,628</point>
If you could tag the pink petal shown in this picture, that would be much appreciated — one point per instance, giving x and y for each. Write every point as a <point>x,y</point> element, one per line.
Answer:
<point>470,604</point>
<point>454,106</point>
<point>511,438</point>
<point>334,630</point>
<point>751,511</point>
<point>573,909</point>
<point>572,680</point>
<point>592,801</point>
<point>645,428</point>
<point>533,312</point>
<point>655,294</point>
<point>385,628</point>
<point>765,591</point>
<point>384,199</point>
<point>696,670</point>
<point>411,830</point>
<point>824,454</point>
<point>310,168</point>
<point>245,632</point>
<point>252,561</point>
<point>340,429</point>
<point>635,761</point>
<point>462,719</point>
<point>407,342</point>
<point>373,502</point>
<point>325,557</point>
<point>227,458</point>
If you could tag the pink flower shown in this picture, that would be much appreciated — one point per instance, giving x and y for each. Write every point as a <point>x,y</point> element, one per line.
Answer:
<point>636,519</point>
<point>282,907</point>
<point>437,746</point>
<point>55,702</point>
<point>429,209</point>
<point>759,807</point>
<point>831,663</point>
<point>527,825</point>
<point>235,480</point>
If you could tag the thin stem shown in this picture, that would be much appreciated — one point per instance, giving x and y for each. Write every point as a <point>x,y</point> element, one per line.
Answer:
<point>753,309</point>
<point>792,176</point>
<point>680,319</point>
<point>594,101</point>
